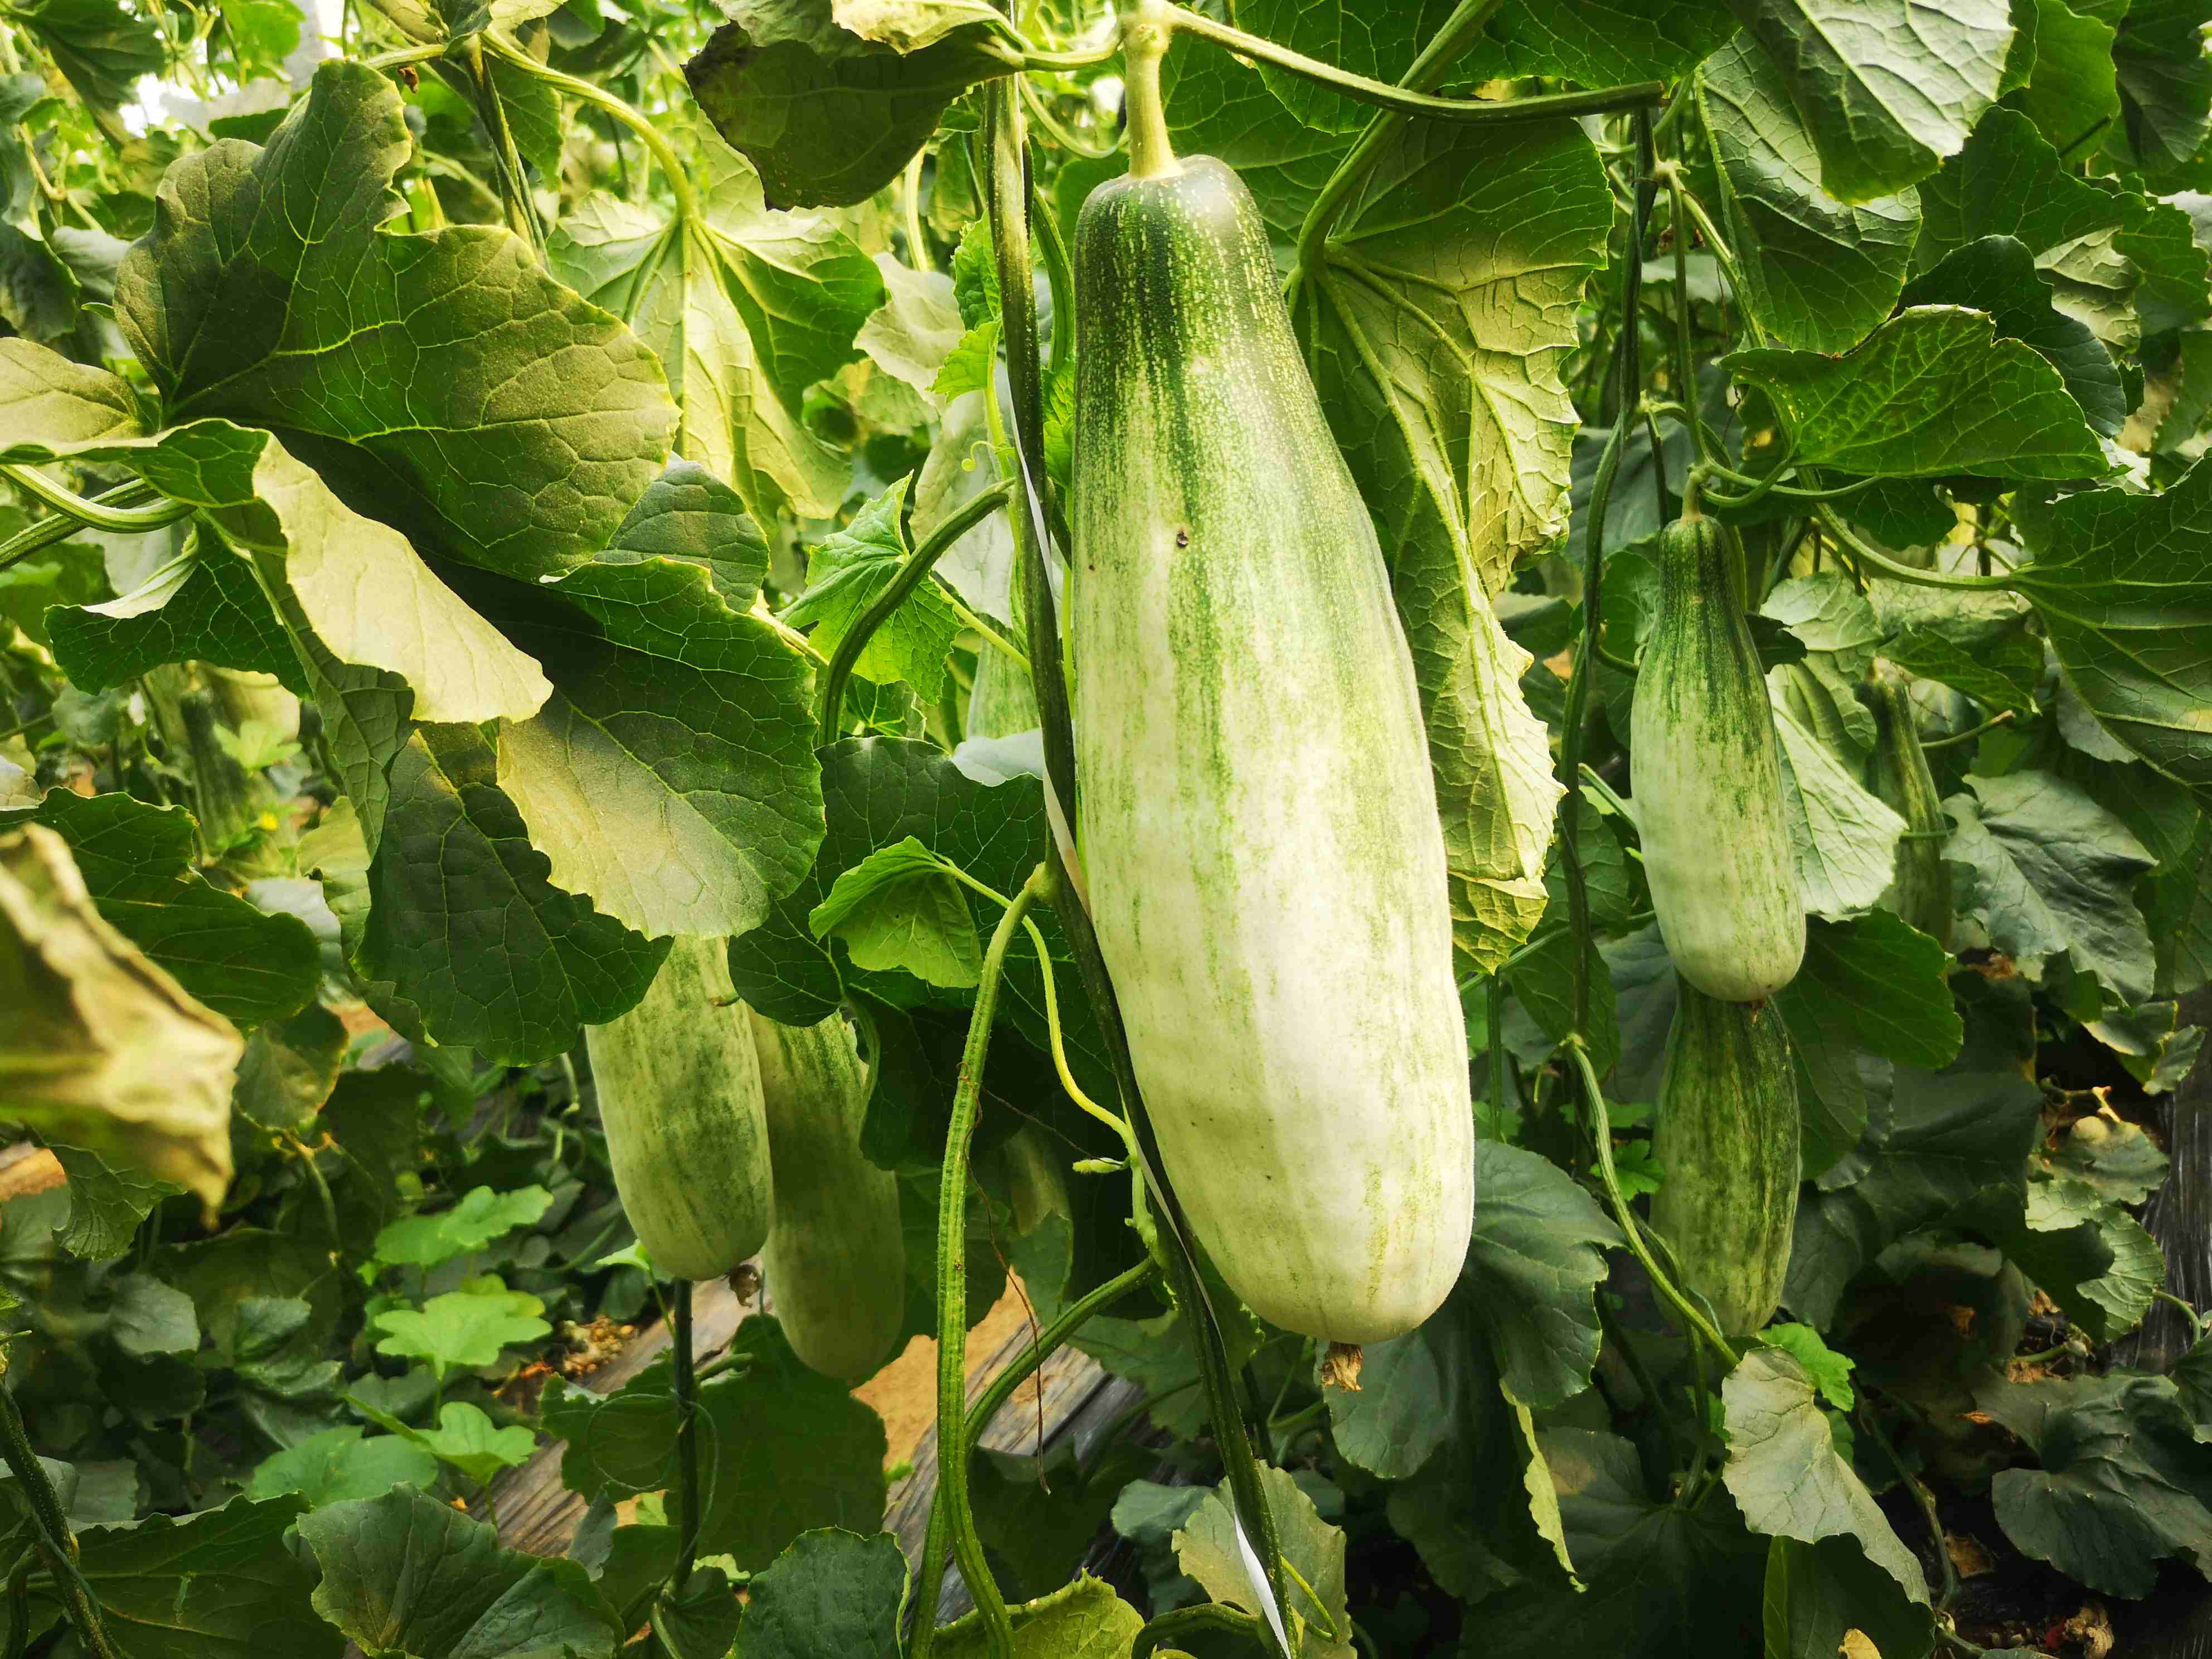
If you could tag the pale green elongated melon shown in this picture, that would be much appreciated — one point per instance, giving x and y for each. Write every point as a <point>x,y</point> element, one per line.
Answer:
<point>836,1261</point>
<point>1258,825</point>
<point>1707,781</point>
<point>1725,1136</point>
<point>679,1091</point>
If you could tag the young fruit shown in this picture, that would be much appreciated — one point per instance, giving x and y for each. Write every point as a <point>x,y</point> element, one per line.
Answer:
<point>1921,894</point>
<point>1724,1135</point>
<point>836,1261</point>
<point>1707,781</point>
<point>680,1099</point>
<point>1257,824</point>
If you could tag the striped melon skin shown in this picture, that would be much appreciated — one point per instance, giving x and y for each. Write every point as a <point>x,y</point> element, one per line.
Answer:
<point>679,1091</point>
<point>1725,1135</point>
<point>1258,826</point>
<point>836,1261</point>
<point>1707,782</point>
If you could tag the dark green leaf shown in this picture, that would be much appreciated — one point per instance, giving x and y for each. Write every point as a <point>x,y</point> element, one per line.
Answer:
<point>676,724</point>
<point>2125,1482</point>
<point>900,908</point>
<point>404,1574</point>
<point>2124,585</point>
<point>794,1450</point>
<point>107,1203</point>
<point>1887,97</point>
<point>137,863</point>
<point>828,118</point>
<point>830,1594</point>
<point>456,392</point>
<point>1818,273</point>
<point>465,921</point>
<point>338,1466</point>
<point>1955,1132</point>
<point>1785,1473</point>
<point>1930,392</point>
<point>1818,1594</point>
<point>847,571</point>
<point>1997,275</point>
<point>2049,870</point>
<point>210,1586</point>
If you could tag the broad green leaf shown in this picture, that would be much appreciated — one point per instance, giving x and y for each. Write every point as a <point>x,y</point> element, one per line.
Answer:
<point>236,1279</point>
<point>2177,901</point>
<point>425,1240</point>
<point>2124,585</point>
<point>900,907</point>
<point>1663,1580</point>
<point>2125,1481</point>
<point>464,1437</point>
<point>794,1451</point>
<point>103,1047</point>
<point>1435,326</point>
<point>338,1466</point>
<point>2113,1157</point>
<point>1974,642</point>
<point>485,411</point>
<point>1818,273</point>
<point>1442,1416</point>
<point>1598,42</point>
<point>1535,1260</point>
<point>107,1204</point>
<point>1997,275</point>
<point>1886,89</point>
<point>2124,266</point>
<point>2049,870</point>
<point>1084,1621</point>
<point>1037,1515</point>
<point>136,862</point>
<point>847,572</point>
<point>908,335</point>
<point>275,1346</point>
<point>830,1594</point>
<point>149,1317</point>
<point>2094,1260</point>
<point>49,403</point>
<point>746,307</point>
<point>207,1586</point>
<point>689,513</point>
<point>358,585</point>
<point>1217,108</point>
<point>877,791</point>
<point>828,117</point>
<point>1380,45</point>
<point>1525,1296</point>
<point>1875,982</point>
<point>972,365</point>
<point>2071,93</point>
<point>404,1574</point>
<point>461,1328</point>
<point>1954,1134</point>
<point>2165,88</point>
<point>1817,1595</point>
<point>1828,613</point>
<point>1786,1475</point>
<point>1208,1550</point>
<point>1830,1371</point>
<point>1869,984</point>
<point>465,921</point>
<point>1845,840</point>
<point>205,606</point>
<point>1930,392</point>
<point>289,1069</point>
<point>100,48</point>
<point>670,777</point>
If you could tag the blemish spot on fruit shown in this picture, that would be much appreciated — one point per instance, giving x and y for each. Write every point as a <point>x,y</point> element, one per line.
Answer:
<point>1182,539</point>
